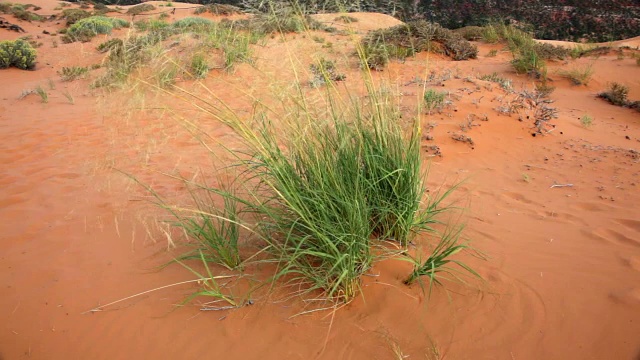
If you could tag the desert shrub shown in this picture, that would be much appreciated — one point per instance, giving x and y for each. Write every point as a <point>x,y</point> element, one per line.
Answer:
<point>324,72</point>
<point>74,15</point>
<point>490,34</point>
<point>218,9</point>
<point>551,52</point>
<point>87,28</point>
<point>139,9</point>
<point>405,40</point>
<point>492,53</point>
<point>471,33</point>
<point>73,72</point>
<point>578,76</point>
<point>616,95</point>
<point>21,11</point>
<point>17,53</point>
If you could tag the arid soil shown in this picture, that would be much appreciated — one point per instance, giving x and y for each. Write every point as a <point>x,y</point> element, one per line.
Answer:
<point>562,268</point>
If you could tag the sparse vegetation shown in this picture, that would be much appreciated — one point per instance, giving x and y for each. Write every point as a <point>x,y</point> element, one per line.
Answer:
<point>139,9</point>
<point>324,72</point>
<point>405,40</point>
<point>578,75</point>
<point>495,78</point>
<point>73,72</point>
<point>199,66</point>
<point>44,95</point>
<point>617,95</point>
<point>74,15</point>
<point>17,53</point>
<point>346,19</point>
<point>21,11</point>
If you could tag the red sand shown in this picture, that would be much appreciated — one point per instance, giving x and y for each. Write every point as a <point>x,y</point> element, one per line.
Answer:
<point>563,269</point>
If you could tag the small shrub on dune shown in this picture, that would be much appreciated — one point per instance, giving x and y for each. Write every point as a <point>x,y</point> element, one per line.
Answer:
<point>280,19</point>
<point>18,53</point>
<point>617,95</point>
<point>471,33</point>
<point>151,25</point>
<point>139,9</point>
<point>405,40</point>
<point>579,75</point>
<point>73,72</point>
<point>218,9</point>
<point>194,24</point>
<point>21,11</point>
<point>86,29</point>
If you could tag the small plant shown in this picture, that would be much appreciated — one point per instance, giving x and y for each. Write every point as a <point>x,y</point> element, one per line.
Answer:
<point>69,97</point>
<point>492,53</point>
<point>526,178</point>
<point>44,96</point>
<point>578,76</point>
<point>17,53</point>
<point>73,72</point>
<point>52,85</point>
<point>495,78</point>
<point>586,121</point>
<point>434,99</point>
<point>151,25</point>
<point>490,34</point>
<point>324,72</point>
<point>199,66</point>
<point>218,9</point>
<point>139,9</point>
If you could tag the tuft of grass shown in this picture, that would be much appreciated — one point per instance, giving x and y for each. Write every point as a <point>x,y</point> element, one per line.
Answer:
<point>44,95</point>
<point>492,53</point>
<point>151,25</point>
<point>439,264</point>
<point>616,95</point>
<point>73,72</point>
<point>578,76</point>
<point>586,121</point>
<point>69,97</point>
<point>218,9</point>
<point>199,66</point>
<point>434,99</point>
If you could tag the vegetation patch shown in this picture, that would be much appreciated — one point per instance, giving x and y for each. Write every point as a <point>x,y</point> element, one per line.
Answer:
<point>17,53</point>
<point>86,29</point>
<point>218,9</point>
<point>279,19</point>
<point>21,11</point>
<point>618,95</point>
<point>405,40</point>
<point>73,72</point>
<point>139,9</point>
<point>346,19</point>
<point>325,72</point>
<point>74,15</point>
<point>578,75</point>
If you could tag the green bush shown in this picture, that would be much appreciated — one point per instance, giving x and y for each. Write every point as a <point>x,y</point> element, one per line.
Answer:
<point>616,95</point>
<point>18,53</point>
<point>434,99</point>
<point>194,24</point>
<point>86,29</point>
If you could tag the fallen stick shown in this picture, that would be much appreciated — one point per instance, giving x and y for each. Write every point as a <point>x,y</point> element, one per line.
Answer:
<point>560,185</point>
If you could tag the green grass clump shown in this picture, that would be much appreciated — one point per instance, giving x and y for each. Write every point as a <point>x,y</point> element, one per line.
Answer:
<point>279,19</point>
<point>199,66</point>
<point>44,95</point>
<point>578,76</point>
<point>434,99</point>
<point>196,24</point>
<point>17,53</point>
<point>415,36</point>
<point>139,9</point>
<point>151,25</point>
<point>73,72</point>
<point>330,179</point>
<point>86,29</point>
